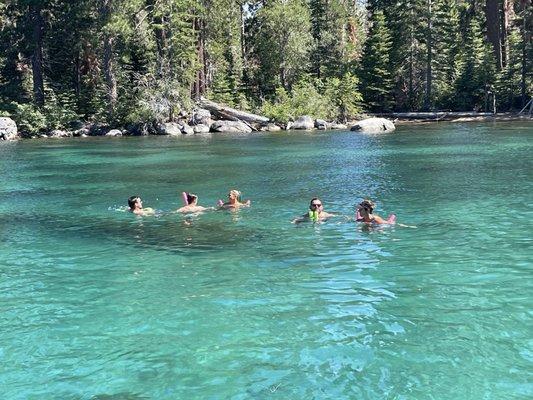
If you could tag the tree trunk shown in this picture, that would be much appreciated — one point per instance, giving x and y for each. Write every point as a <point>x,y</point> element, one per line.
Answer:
<point>526,38</point>
<point>77,81</point>
<point>108,60</point>
<point>231,113</point>
<point>37,56</point>
<point>160,39</point>
<point>427,101</point>
<point>492,14</point>
<point>199,85</point>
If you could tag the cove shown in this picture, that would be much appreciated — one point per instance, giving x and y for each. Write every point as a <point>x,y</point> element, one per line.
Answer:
<point>99,304</point>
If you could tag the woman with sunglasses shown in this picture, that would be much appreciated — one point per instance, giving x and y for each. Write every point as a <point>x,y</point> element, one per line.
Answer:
<point>316,212</point>
<point>365,213</point>
<point>234,201</point>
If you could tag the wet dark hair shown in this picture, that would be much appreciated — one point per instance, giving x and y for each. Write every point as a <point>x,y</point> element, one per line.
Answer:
<point>367,205</point>
<point>132,200</point>
<point>190,197</point>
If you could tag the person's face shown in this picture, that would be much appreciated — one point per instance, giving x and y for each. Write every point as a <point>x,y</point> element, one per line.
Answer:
<point>139,202</point>
<point>364,211</point>
<point>232,196</point>
<point>316,205</point>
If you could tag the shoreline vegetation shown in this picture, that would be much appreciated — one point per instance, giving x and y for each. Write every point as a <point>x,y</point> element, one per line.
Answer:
<point>139,67</point>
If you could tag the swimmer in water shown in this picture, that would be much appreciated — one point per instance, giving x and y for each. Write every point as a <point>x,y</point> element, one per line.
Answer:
<point>136,206</point>
<point>234,201</point>
<point>316,212</point>
<point>365,213</point>
<point>191,204</point>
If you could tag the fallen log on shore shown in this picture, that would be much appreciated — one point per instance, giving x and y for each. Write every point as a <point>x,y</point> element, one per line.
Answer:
<point>440,115</point>
<point>231,114</point>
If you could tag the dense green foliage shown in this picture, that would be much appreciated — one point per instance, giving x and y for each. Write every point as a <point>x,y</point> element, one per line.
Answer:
<point>131,61</point>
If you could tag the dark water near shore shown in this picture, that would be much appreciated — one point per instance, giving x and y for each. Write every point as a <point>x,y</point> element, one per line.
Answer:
<point>98,304</point>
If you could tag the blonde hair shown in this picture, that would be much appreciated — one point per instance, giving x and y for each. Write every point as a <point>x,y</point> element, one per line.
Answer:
<point>235,193</point>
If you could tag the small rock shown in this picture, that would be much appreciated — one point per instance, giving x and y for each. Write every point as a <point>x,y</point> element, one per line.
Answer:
<point>321,124</point>
<point>186,129</point>
<point>59,133</point>
<point>230,126</point>
<point>338,126</point>
<point>114,132</point>
<point>303,122</point>
<point>8,129</point>
<point>270,127</point>
<point>81,132</point>
<point>200,128</point>
<point>289,125</point>
<point>374,125</point>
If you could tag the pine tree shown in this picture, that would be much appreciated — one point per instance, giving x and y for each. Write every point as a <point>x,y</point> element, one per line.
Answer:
<point>376,76</point>
<point>282,44</point>
<point>477,72</point>
<point>447,48</point>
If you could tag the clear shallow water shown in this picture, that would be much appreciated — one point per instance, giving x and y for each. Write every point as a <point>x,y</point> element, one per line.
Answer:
<point>98,304</point>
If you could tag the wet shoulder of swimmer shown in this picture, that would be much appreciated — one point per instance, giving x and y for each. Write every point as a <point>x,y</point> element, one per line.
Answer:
<point>316,212</point>
<point>136,206</point>
<point>191,204</point>
<point>234,201</point>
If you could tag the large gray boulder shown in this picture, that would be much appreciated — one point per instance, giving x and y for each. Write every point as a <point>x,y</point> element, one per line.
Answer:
<point>200,128</point>
<point>8,129</point>
<point>303,122</point>
<point>169,128</point>
<point>374,125</point>
<point>230,126</point>
<point>114,132</point>
<point>201,116</point>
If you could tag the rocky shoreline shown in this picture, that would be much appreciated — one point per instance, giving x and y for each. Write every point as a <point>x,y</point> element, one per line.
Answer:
<point>212,118</point>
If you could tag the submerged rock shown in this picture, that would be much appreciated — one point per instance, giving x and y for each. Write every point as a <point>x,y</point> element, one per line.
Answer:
<point>303,122</point>
<point>374,125</point>
<point>8,129</point>
<point>230,126</point>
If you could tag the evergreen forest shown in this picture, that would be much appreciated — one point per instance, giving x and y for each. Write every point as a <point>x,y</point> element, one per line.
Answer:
<point>123,62</point>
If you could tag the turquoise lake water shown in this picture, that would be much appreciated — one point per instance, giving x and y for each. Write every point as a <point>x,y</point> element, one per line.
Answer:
<point>96,303</point>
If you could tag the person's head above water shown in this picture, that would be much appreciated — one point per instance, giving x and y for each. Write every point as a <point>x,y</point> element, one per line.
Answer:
<point>135,202</point>
<point>191,198</point>
<point>234,195</point>
<point>315,204</point>
<point>366,206</point>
